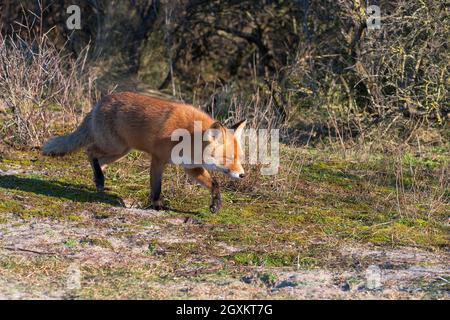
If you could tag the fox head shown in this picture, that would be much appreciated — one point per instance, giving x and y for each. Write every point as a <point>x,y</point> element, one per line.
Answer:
<point>223,151</point>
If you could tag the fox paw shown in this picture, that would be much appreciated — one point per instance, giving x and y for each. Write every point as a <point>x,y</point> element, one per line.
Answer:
<point>157,205</point>
<point>215,205</point>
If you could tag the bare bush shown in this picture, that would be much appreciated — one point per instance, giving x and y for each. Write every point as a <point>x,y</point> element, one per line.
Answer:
<point>39,83</point>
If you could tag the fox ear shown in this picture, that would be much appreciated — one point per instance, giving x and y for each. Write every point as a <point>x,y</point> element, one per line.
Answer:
<point>217,125</point>
<point>238,127</point>
<point>216,130</point>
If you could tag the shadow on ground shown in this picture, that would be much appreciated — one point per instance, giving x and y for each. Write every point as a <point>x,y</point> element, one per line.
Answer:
<point>74,192</point>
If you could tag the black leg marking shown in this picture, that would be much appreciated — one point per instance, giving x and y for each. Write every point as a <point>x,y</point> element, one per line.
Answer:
<point>156,171</point>
<point>99,178</point>
<point>156,195</point>
<point>216,202</point>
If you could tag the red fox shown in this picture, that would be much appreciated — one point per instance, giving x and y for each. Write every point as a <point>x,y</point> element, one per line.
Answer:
<point>120,122</point>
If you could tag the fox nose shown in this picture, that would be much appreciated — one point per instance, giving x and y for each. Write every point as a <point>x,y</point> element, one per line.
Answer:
<point>241,175</point>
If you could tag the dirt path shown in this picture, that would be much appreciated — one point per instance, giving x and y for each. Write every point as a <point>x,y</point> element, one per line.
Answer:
<point>38,258</point>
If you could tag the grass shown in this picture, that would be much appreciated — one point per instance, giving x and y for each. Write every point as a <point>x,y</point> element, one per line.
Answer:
<point>294,220</point>
<point>331,197</point>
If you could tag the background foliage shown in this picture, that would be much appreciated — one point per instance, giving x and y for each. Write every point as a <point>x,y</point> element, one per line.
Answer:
<point>302,61</point>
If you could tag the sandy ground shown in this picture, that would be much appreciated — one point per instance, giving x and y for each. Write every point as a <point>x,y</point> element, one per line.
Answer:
<point>370,272</point>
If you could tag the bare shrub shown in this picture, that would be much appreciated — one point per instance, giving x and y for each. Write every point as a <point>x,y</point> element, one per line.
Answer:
<point>39,83</point>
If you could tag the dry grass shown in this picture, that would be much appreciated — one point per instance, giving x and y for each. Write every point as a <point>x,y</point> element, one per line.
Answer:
<point>39,84</point>
<point>316,225</point>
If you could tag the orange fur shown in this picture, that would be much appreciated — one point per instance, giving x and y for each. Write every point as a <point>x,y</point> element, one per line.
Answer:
<point>124,121</point>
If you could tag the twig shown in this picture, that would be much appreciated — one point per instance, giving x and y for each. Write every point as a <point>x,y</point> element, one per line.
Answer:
<point>28,250</point>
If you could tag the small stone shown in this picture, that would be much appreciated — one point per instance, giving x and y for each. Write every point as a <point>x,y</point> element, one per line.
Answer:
<point>373,277</point>
<point>248,279</point>
<point>286,283</point>
<point>159,252</point>
<point>387,265</point>
<point>190,220</point>
<point>345,286</point>
<point>361,287</point>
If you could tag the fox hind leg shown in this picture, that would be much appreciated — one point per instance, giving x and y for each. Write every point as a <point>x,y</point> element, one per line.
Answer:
<point>104,160</point>
<point>94,153</point>
<point>99,158</point>
<point>99,178</point>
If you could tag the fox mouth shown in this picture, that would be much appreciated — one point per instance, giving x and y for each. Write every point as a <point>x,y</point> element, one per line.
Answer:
<point>228,172</point>
<point>235,175</point>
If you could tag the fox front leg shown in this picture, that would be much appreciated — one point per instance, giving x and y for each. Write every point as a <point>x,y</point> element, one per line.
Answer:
<point>203,177</point>
<point>216,201</point>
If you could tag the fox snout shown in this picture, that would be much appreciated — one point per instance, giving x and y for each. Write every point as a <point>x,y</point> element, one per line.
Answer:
<point>235,174</point>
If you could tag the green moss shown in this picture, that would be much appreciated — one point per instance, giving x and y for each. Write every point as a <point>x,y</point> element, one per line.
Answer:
<point>18,162</point>
<point>334,198</point>
<point>308,262</point>
<point>152,247</point>
<point>269,278</point>
<point>397,233</point>
<point>70,243</point>
<point>429,161</point>
<point>275,259</point>
<point>104,243</point>
<point>10,205</point>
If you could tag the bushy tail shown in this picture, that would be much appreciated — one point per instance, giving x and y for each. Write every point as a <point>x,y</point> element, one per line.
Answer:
<point>81,137</point>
